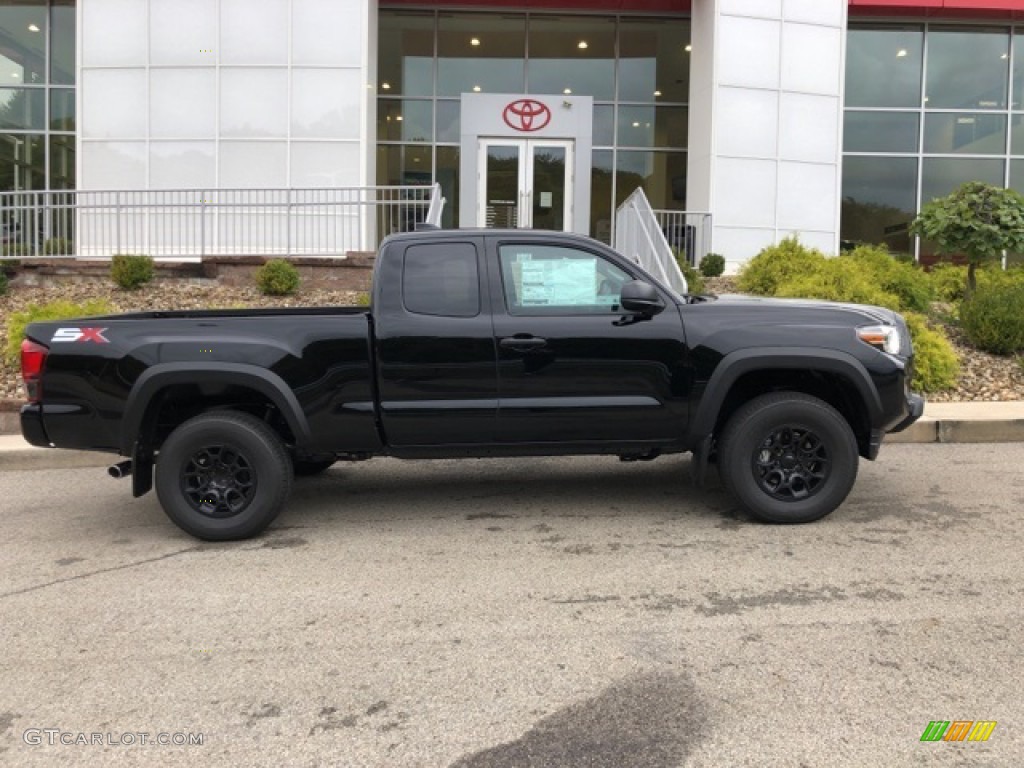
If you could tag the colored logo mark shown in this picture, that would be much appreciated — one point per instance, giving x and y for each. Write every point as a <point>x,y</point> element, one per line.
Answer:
<point>526,115</point>
<point>958,730</point>
<point>80,334</point>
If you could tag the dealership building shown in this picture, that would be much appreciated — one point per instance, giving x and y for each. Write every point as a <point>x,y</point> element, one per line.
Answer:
<point>833,119</point>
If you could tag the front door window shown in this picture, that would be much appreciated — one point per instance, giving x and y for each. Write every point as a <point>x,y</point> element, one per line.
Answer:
<point>526,183</point>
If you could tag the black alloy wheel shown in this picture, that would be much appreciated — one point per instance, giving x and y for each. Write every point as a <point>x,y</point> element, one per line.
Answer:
<point>788,457</point>
<point>218,480</point>
<point>223,475</point>
<point>792,463</point>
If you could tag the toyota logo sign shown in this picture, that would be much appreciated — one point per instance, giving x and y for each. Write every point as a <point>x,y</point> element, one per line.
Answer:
<point>527,115</point>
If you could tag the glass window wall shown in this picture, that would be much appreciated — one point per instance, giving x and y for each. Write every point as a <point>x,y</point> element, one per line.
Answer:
<point>572,55</point>
<point>636,69</point>
<point>37,121</point>
<point>928,107</point>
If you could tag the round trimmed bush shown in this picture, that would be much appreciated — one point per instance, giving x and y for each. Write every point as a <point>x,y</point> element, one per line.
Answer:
<point>712,265</point>
<point>130,271</point>
<point>993,318</point>
<point>778,264</point>
<point>277,278</point>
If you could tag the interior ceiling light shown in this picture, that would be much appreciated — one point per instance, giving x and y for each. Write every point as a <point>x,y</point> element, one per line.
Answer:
<point>902,52</point>
<point>476,89</point>
<point>688,48</point>
<point>636,125</point>
<point>1005,56</point>
<point>33,27</point>
<point>399,118</point>
<point>657,93</point>
<point>475,41</point>
<point>567,91</point>
<point>385,86</point>
<point>15,75</point>
<point>582,45</point>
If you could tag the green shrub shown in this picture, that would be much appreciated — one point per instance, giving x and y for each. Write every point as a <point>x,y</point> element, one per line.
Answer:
<point>778,264</point>
<point>694,280</point>
<point>14,249</point>
<point>712,265</point>
<point>363,299</point>
<point>277,278</point>
<point>3,284</point>
<point>131,271</point>
<point>936,365</point>
<point>839,279</point>
<point>949,281</point>
<point>55,310</point>
<point>906,281</point>
<point>993,318</point>
<point>58,246</point>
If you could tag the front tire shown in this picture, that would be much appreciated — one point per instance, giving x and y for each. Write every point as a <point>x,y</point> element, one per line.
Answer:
<point>788,457</point>
<point>223,475</point>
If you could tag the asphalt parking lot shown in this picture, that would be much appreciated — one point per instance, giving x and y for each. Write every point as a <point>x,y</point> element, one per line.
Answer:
<point>491,614</point>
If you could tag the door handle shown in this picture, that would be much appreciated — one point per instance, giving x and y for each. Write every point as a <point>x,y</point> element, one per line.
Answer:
<point>523,344</point>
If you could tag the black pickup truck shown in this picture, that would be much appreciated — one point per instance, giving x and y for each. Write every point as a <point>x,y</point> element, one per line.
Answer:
<point>478,343</point>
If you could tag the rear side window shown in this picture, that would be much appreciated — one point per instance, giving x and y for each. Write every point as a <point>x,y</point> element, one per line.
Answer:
<point>441,279</point>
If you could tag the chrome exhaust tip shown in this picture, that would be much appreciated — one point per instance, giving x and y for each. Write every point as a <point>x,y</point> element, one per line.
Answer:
<point>119,470</point>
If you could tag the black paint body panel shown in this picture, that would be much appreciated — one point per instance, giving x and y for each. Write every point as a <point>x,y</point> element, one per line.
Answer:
<point>348,380</point>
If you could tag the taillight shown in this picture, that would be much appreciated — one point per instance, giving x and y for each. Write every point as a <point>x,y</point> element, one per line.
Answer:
<point>33,359</point>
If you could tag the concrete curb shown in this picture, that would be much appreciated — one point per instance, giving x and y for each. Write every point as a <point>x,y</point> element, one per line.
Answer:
<point>946,423</point>
<point>961,431</point>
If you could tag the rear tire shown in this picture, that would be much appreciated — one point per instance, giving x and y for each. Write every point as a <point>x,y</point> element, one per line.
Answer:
<point>223,475</point>
<point>788,457</point>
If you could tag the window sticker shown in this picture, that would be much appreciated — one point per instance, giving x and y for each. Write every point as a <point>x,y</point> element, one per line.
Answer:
<point>564,283</point>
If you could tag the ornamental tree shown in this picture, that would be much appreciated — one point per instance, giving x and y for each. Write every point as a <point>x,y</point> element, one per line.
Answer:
<point>978,220</point>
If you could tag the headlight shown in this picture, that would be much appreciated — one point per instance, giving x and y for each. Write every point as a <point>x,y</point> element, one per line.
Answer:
<point>883,337</point>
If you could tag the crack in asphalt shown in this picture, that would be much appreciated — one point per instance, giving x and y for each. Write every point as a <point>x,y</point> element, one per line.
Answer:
<point>122,567</point>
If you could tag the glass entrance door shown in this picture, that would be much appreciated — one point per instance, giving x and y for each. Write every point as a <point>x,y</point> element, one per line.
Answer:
<point>525,183</point>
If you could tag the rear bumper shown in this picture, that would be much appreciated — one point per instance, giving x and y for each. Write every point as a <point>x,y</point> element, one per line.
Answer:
<point>32,426</point>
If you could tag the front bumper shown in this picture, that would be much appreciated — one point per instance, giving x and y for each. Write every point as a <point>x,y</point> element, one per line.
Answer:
<point>32,426</point>
<point>915,407</point>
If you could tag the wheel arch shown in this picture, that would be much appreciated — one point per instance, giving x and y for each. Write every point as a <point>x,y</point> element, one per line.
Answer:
<point>836,377</point>
<point>145,398</point>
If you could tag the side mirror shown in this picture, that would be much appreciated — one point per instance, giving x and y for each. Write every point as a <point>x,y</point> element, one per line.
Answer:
<point>638,296</point>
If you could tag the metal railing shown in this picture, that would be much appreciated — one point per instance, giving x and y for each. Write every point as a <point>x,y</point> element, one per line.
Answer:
<point>195,223</point>
<point>687,232</point>
<point>638,236</point>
